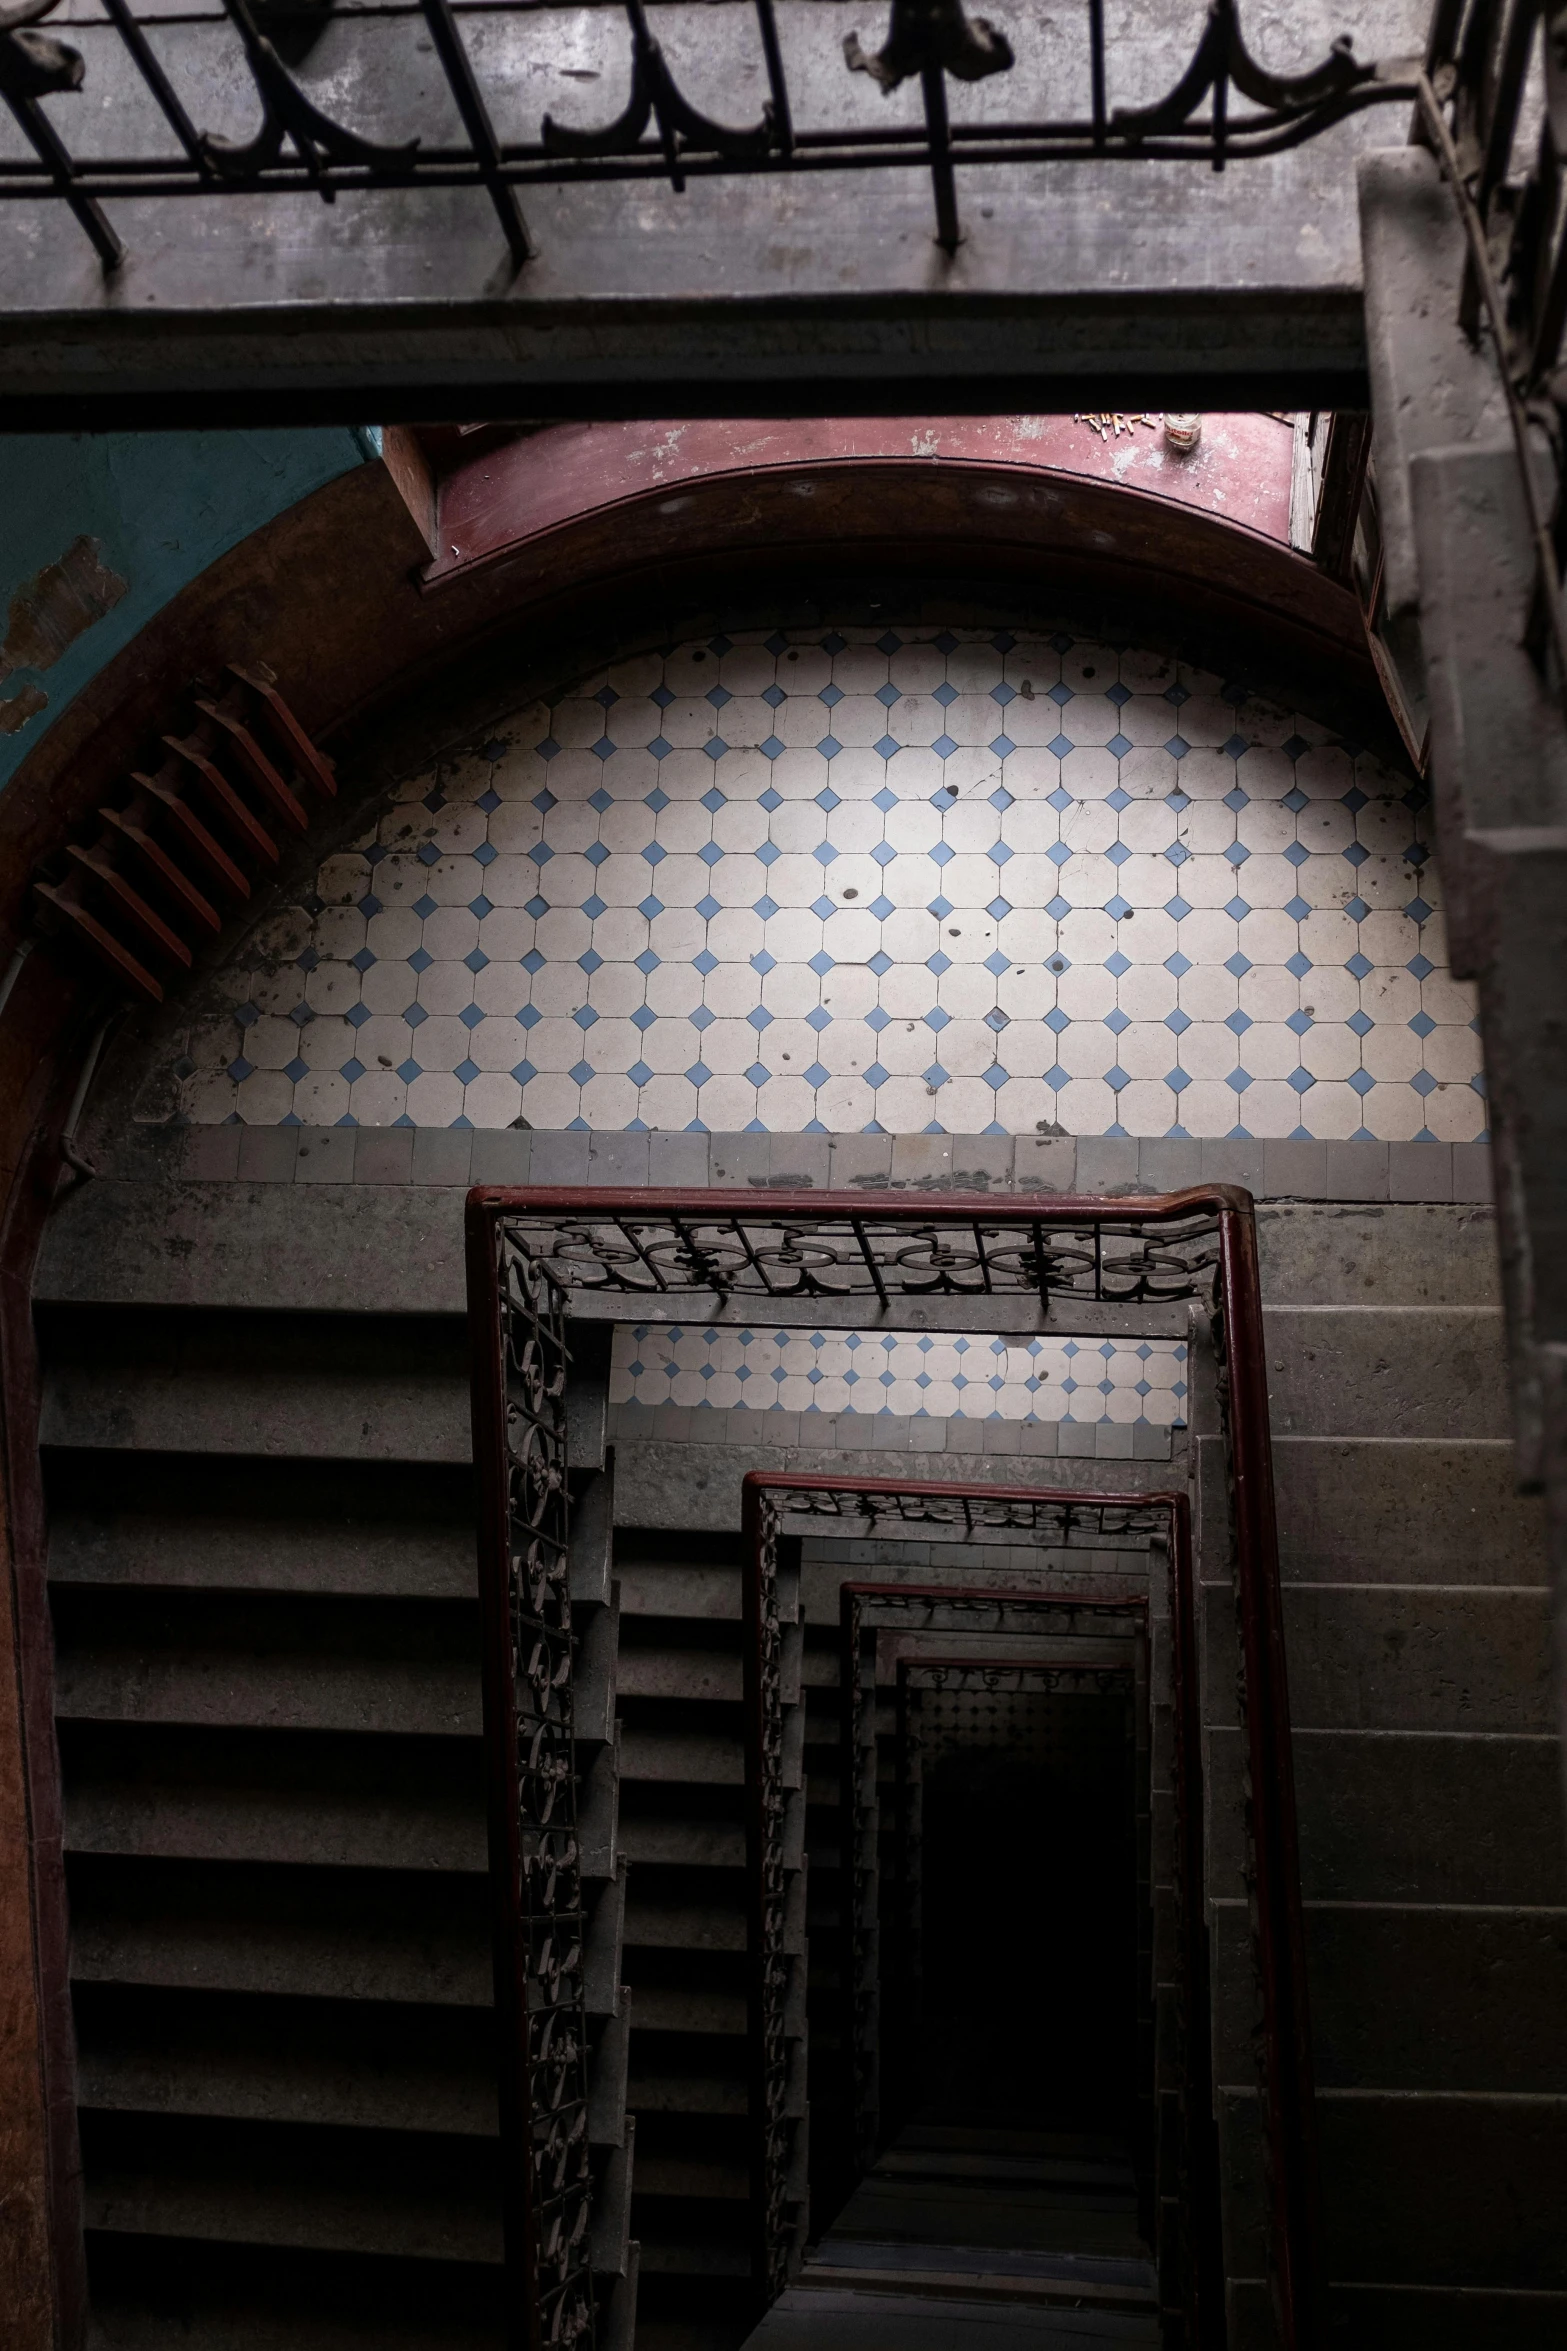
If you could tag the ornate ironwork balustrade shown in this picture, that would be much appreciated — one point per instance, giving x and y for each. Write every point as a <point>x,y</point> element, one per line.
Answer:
<point>300,145</point>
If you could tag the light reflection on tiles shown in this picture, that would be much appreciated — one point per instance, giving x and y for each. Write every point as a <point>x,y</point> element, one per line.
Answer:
<point>891,881</point>
<point>940,1375</point>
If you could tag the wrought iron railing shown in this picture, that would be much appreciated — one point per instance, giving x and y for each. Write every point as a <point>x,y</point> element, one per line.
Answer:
<point>298,146</point>
<point>537,1256</point>
<point>519,1363</point>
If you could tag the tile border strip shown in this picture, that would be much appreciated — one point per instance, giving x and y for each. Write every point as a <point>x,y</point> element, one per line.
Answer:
<point>1005,1164</point>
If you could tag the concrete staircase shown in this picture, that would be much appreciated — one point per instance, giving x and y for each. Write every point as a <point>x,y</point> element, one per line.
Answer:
<point>1428,1778</point>
<point>262,1571</point>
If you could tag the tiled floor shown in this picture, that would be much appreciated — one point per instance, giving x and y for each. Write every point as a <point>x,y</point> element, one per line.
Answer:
<point>936,1375</point>
<point>895,881</point>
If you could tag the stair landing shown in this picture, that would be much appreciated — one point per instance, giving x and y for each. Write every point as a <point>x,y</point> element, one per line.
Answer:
<point>977,2240</point>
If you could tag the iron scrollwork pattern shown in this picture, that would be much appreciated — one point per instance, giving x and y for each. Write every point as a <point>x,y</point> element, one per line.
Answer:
<point>541,1990</point>
<point>659,134</point>
<point>768,1253</point>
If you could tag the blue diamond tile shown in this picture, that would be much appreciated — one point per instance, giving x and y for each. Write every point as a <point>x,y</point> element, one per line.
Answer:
<point>1356,909</point>
<point>1062,798</point>
<point>1003,746</point>
<point>655,853</point>
<point>1422,1024</point>
<point>1118,964</point>
<point>639,1073</point>
<point>829,746</point>
<point>1116,1077</point>
<point>1118,745</point>
<point>1057,1078</point>
<point>1355,854</point>
<point>1423,1082</point>
<point>940,908</point>
<point>709,906</point>
<point>660,747</point>
<point>1058,853</point>
<point>1239,1022</point>
<point>944,746</point>
<point>1360,1022</point>
<point>408,1071</point>
<point>1000,854</point>
<point>1297,853</point>
<point>1237,908</point>
<point>1297,908</point>
<point>935,1075</point>
<point>818,1018</point>
<point>816,1075</point>
<point>416,1013</point>
<point>1238,1080</point>
<point>579,1072</point>
<point>647,961</point>
<point>944,693</point>
<point>997,1020</point>
<point>1177,1080</point>
<point>650,907</point>
<point>878,1020</point>
<point>760,1018</point>
<point>585,1016</point>
<point>939,962</point>
<point>766,907</point>
<point>999,908</point>
<point>937,1018</point>
<point>1301,1079</point>
<point>876,1075</point>
<point>470,1016</point>
<point>996,963</point>
<point>698,1073</point>
<point>357,1015</point>
<point>1237,853</point>
<point>1177,853</point>
<point>1178,1021</point>
<point>1300,1022</point>
<point>1118,694</point>
<point>1058,907</point>
<point>702,1018</point>
<point>1118,908</point>
<point>240,1069</point>
<point>823,906</point>
<point>1118,853</point>
<point>1297,964</point>
<point>1177,746</point>
<point>1362,1081</point>
<point>1237,799</point>
<point>1420,965</point>
<point>1177,908</point>
<point>710,853</point>
<point>1117,1021</point>
<point>468,1070</point>
<point>369,904</point>
<point>1177,964</point>
<point>1236,746</point>
<point>758,1073</point>
<point>1417,910</point>
<point>1060,745</point>
<point>643,1017</point>
<point>603,748</point>
<point>887,747</point>
<point>995,1077</point>
<point>1057,1019</point>
<point>1061,694</point>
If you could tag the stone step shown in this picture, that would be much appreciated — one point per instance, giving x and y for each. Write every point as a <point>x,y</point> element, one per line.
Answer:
<point>1387,1371</point>
<point>1411,1996</point>
<point>1409,1816</point>
<point>1404,1657</point>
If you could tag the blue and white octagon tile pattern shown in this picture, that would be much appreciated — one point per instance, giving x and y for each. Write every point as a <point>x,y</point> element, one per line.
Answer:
<point>926,1374</point>
<point>901,880</point>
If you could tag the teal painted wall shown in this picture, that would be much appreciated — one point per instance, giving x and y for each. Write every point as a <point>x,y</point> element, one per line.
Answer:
<point>162,507</point>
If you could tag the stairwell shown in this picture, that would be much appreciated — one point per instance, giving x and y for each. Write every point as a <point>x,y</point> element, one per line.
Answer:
<point>262,1575</point>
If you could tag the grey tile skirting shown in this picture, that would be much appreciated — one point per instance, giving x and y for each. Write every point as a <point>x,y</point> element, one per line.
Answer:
<point>1103,1165</point>
<point>855,1432</point>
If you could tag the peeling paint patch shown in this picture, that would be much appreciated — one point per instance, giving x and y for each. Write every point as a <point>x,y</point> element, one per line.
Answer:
<point>17,709</point>
<point>50,611</point>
